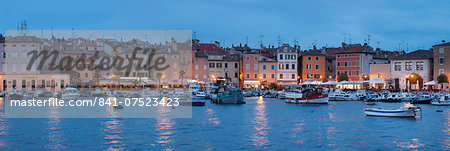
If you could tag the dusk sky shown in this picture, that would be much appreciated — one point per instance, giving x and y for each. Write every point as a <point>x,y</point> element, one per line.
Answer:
<point>414,24</point>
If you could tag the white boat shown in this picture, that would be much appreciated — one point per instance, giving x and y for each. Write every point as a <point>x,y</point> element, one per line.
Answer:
<point>97,92</point>
<point>408,111</point>
<point>444,100</point>
<point>70,93</point>
<point>307,96</point>
<point>342,96</point>
<point>199,94</point>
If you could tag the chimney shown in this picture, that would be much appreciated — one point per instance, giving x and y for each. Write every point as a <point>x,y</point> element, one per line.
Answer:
<point>343,45</point>
<point>443,41</point>
<point>217,43</point>
<point>240,44</point>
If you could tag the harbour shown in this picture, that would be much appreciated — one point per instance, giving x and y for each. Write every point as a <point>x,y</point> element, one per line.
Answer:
<point>261,123</point>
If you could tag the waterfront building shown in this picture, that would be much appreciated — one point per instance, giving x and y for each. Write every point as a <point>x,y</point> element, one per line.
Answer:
<point>223,66</point>
<point>354,60</point>
<point>312,66</point>
<point>251,68</point>
<point>16,62</point>
<point>200,67</point>
<point>267,71</point>
<point>442,60</point>
<point>287,63</point>
<point>402,67</point>
<point>381,71</point>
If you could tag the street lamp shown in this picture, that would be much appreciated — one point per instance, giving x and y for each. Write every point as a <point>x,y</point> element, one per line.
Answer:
<point>298,79</point>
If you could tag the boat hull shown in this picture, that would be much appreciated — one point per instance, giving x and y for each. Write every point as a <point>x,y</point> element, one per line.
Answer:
<point>193,103</point>
<point>321,99</point>
<point>393,113</point>
<point>441,103</point>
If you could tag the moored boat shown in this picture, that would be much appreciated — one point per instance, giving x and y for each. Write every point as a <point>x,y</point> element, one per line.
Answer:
<point>408,111</point>
<point>311,95</point>
<point>444,100</point>
<point>70,93</point>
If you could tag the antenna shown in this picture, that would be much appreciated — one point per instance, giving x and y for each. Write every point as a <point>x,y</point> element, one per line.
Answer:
<point>349,38</point>
<point>368,39</point>
<point>261,40</point>
<point>246,40</point>
<point>279,40</point>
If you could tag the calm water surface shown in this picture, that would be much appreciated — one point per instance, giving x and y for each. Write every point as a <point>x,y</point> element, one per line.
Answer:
<point>259,124</point>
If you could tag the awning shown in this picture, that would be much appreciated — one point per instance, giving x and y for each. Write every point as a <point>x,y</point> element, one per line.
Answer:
<point>331,83</point>
<point>431,83</point>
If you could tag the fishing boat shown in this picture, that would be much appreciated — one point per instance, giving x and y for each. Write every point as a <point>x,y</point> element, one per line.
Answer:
<point>310,95</point>
<point>228,95</point>
<point>407,111</point>
<point>70,93</point>
<point>444,100</point>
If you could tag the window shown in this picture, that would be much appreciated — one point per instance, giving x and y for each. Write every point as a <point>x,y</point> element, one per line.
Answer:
<point>308,66</point>
<point>317,66</point>
<point>317,58</point>
<point>293,66</point>
<point>248,76</point>
<point>345,63</point>
<point>211,65</point>
<point>247,66</point>
<point>339,56</point>
<point>256,58</point>
<point>248,58</point>
<point>357,63</point>
<point>273,76</point>
<point>226,65</point>
<point>408,66</point>
<point>397,66</point>
<point>349,73</point>
<point>235,65</point>
<point>379,75</point>
<point>281,76</point>
<point>256,76</point>
<point>357,72</point>
<point>441,60</point>
<point>287,66</point>
<point>339,64</point>
<point>264,67</point>
<point>255,66</point>
<point>235,75</point>
<point>349,63</point>
<point>273,67</point>
<point>264,76</point>
<point>293,76</point>
<point>345,55</point>
<point>295,57</point>
<point>441,50</point>
<point>441,71</point>
<point>219,65</point>
<point>419,65</point>
<point>350,55</point>
<point>281,57</point>
<point>281,66</point>
<point>309,58</point>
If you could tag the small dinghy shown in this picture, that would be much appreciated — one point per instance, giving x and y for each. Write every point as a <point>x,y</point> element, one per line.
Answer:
<point>408,111</point>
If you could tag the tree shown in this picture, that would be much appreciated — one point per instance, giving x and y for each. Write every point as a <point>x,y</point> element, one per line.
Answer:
<point>442,78</point>
<point>342,77</point>
<point>272,85</point>
<point>182,73</point>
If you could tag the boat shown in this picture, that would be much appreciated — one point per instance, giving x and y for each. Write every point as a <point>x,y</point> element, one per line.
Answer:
<point>270,94</point>
<point>247,93</point>
<point>407,111</point>
<point>70,93</point>
<point>15,94</point>
<point>342,96</point>
<point>228,95</point>
<point>97,92</point>
<point>444,100</point>
<point>192,103</point>
<point>281,95</point>
<point>310,95</point>
<point>393,97</point>
<point>424,98</point>
<point>199,95</point>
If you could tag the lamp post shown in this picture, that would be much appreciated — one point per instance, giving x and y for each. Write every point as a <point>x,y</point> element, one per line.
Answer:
<point>160,86</point>
<point>298,80</point>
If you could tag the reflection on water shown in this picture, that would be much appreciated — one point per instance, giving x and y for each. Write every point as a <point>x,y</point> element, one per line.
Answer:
<point>113,139</point>
<point>259,137</point>
<point>412,144</point>
<point>446,131</point>
<point>165,129</point>
<point>212,117</point>
<point>297,132</point>
<point>166,132</point>
<point>55,130</point>
<point>3,126</point>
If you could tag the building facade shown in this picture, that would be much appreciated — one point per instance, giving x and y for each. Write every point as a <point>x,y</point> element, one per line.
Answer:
<point>417,62</point>
<point>441,60</point>
<point>354,60</point>
<point>287,63</point>
<point>268,71</point>
<point>312,66</point>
